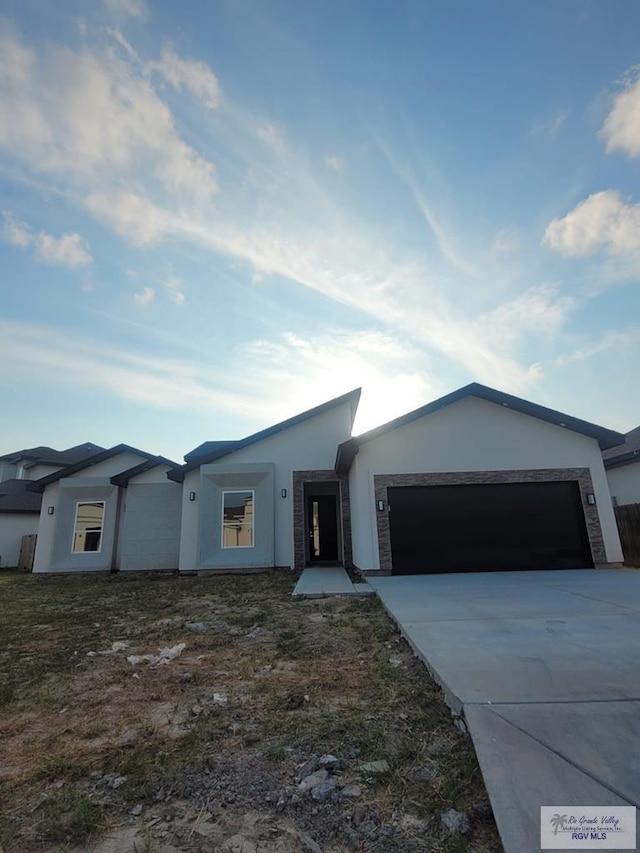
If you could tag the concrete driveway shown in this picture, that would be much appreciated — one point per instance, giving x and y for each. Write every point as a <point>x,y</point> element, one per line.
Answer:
<point>545,669</point>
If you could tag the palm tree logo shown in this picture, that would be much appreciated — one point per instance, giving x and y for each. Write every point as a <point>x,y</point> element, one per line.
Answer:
<point>557,822</point>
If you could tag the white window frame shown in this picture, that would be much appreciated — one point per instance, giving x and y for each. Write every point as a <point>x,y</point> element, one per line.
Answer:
<point>253,521</point>
<point>75,522</point>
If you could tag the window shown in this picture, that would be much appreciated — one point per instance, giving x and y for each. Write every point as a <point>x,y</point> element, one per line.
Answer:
<point>237,519</point>
<point>87,531</point>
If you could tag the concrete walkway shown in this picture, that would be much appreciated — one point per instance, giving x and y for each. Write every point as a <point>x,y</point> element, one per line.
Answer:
<point>545,669</point>
<point>317,581</point>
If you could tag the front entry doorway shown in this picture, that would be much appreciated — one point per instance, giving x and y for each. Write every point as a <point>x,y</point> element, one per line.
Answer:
<point>323,528</point>
<point>322,503</point>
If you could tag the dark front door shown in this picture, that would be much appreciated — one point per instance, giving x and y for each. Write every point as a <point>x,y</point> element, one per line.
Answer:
<point>322,520</point>
<point>487,528</point>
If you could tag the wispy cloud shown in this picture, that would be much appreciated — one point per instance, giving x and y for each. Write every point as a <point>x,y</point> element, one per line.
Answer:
<point>93,122</point>
<point>507,239</point>
<point>333,162</point>
<point>145,296</point>
<point>621,129</point>
<point>442,234</point>
<point>128,8</point>
<point>69,250</point>
<point>278,379</point>
<point>551,125</point>
<point>604,221</point>
<point>186,74</point>
<point>174,287</point>
<point>612,340</point>
<point>91,118</point>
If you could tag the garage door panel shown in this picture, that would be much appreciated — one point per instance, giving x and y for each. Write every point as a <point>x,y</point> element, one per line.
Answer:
<point>491,527</point>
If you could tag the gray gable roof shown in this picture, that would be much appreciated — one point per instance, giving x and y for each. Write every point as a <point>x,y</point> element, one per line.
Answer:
<point>123,478</point>
<point>44,455</point>
<point>625,453</point>
<point>224,448</point>
<point>15,497</point>
<point>207,448</point>
<point>43,482</point>
<point>606,438</point>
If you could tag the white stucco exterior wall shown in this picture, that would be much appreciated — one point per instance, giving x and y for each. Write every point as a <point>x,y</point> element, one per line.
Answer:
<point>309,446</point>
<point>47,525</point>
<point>624,483</point>
<point>13,526</point>
<point>46,529</point>
<point>35,472</point>
<point>471,435</point>
<point>149,530</point>
<point>8,471</point>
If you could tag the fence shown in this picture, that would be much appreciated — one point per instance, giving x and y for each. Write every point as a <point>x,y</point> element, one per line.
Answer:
<point>628,518</point>
<point>27,552</point>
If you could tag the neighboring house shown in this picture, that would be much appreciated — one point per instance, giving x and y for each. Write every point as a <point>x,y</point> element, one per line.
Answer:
<point>478,480</point>
<point>35,462</point>
<point>20,508</point>
<point>622,464</point>
<point>115,510</point>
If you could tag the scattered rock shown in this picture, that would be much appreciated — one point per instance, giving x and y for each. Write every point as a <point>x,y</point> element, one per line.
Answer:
<point>323,790</point>
<point>352,792</point>
<point>196,627</point>
<point>309,767</point>
<point>308,844</point>
<point>240,844</point>
<point>313,780</point>
<point>219,699</point>
<point>165,655</point>
<point>455,821</point>
<point>251,738</point>
<point>136,810</point>
<point>439,746</point>
<point>375,767</point>
<point>426,773</point>
<point>330,762</point>
<point>412,823</point>
<point>171,721</point>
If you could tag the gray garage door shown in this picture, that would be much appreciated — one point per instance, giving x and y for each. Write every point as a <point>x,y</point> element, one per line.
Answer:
<point>494,527</point>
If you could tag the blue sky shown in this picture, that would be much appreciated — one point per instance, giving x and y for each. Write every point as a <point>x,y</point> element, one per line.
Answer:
<point>218,213</point>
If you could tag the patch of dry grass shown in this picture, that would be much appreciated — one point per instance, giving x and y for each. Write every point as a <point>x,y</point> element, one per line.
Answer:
<point>270,682</point>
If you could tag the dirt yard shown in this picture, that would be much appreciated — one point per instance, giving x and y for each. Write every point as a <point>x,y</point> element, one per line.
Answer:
<point>258,724</point>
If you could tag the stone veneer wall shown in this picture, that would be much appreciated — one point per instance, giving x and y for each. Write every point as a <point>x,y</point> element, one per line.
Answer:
<point>299,543</point>
<point>581,475</point>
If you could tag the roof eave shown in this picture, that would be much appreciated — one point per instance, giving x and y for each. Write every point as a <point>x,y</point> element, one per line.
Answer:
<point>623,459</point>
<point>606,438</point>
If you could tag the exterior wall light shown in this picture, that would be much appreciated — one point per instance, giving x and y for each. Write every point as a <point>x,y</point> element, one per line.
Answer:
<point>192,496</point>
<point>380,506</point>
<point>50,510</point>
<point>283,493</point>
<point>591,499</point>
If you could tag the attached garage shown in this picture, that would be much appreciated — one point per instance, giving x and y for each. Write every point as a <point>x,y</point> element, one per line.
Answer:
<point>480,481</point>
<point>487,527</point>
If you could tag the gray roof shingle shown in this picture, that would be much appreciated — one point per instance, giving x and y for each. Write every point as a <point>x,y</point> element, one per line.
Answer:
<point>14,497</point>
<point>624,453</point>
